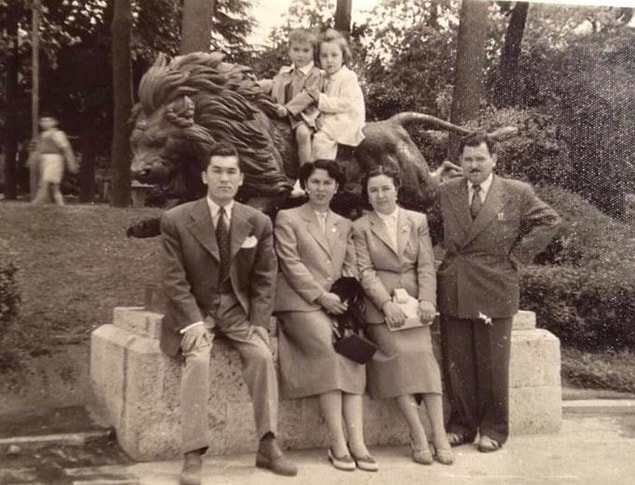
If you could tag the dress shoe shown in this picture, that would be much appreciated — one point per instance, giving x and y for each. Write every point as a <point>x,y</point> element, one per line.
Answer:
<point>344,462</point>
<point>270,457</point>
<point>191,473</point>
<point>487,444</point>
<point>458,439</point>
<point>366,463</point>
<point>445,456</point>
<point>423,457</point>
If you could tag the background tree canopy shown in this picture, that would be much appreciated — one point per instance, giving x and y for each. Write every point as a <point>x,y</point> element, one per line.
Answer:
<point>561,73</point>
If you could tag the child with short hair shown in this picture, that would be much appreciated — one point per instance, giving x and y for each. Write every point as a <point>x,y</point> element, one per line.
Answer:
<point>288,85</point>
<point>340,102</point>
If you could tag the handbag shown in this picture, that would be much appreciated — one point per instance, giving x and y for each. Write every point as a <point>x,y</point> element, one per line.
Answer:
<point>352,345</point>
<point>348,334</point>
<point>410,307</point>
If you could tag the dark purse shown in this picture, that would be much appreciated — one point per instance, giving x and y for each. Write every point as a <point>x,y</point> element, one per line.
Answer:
<point>348,333</point>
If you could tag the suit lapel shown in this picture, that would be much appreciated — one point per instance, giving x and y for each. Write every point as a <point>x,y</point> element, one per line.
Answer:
<point>380,230</point>
<point>332,231</point>
<point>239,228</point>
<point>494,202</point>
<point>404,225</point>
<point>459,206</point>
<point>202,227</point>
<point>313,227</point>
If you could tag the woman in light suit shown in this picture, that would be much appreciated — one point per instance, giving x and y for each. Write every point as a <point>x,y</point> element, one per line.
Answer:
<point>315,248</point>
<point>394,251</point>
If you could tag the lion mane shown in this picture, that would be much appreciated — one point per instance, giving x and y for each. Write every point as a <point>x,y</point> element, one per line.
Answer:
<point>193,101</point>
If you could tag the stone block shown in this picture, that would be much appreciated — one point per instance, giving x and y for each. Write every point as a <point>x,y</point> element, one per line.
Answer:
<point>535,409</point>
<point>137,391</point>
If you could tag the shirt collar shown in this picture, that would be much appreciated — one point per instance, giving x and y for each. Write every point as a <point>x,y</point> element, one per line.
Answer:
<point>389,217</point>
<point>214,208</point>
<point>485,185</point>
<point>304,69</point>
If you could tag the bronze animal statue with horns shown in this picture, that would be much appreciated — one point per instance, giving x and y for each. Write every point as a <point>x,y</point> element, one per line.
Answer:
<point>190,102</point>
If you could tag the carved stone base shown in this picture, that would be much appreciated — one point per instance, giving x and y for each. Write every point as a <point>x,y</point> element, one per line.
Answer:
<point>137,391</point>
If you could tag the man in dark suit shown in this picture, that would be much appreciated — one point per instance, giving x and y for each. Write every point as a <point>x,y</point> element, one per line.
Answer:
<point>491,226</point>
<point>219,279</point>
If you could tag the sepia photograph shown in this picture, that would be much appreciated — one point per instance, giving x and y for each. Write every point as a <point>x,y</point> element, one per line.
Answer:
<point>317,242</point>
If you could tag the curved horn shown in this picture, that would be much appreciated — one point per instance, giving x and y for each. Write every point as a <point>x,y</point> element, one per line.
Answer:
<point>503,133</point>
<point>431,122</point>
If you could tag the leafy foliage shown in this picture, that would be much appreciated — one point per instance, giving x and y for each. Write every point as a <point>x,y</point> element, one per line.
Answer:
<point>9,293</point>
<point>588,300</point>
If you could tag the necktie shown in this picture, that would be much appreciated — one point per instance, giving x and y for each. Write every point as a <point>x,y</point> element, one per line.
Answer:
<point>222,238</point>
<point>477,203</point>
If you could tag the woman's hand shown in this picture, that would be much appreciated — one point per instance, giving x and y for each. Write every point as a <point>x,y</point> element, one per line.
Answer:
<point>332,303</point>
<point>395,317</point>
<point>427,312</point>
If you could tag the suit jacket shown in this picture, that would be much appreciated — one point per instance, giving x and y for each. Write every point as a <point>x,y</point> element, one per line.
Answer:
<point>342,108</point>
<point>191,265</point>
<point>479,273</point>
<point>383,267</point>
<point>287,87</point>
<point>310,261</point>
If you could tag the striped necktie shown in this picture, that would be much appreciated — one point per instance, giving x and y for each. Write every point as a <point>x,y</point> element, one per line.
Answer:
<point>222,239</point>
<point>477,203</point>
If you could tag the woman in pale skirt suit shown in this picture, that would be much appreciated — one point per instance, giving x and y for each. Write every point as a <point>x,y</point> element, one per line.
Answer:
<point>315,248</point>
<point>394,251</point>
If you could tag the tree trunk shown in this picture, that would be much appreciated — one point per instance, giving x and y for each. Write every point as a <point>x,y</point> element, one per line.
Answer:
<point>343,16</point>
<point>469,87</point>
<point>196,29</point>
<point>122,100</point>
<point>34,171</point>
<point>508,86</point>
<point>11,115</point>
<point>87,168</point>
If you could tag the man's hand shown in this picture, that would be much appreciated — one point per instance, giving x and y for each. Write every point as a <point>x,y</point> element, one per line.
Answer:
<point>262,332</point>
<point>395,317</point>
<point>332,303</point>
<point>427,312</point>
<point>195,338</point>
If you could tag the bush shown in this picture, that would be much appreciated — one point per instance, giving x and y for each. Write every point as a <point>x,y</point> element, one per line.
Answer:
<point>606,370</point>
<point>588,301</point>
<point>9,295</point>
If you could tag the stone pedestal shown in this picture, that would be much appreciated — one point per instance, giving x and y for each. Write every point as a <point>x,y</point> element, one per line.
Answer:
<point>137,392</point>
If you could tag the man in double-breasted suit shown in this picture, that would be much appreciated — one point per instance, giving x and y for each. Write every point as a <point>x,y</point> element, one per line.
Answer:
<point>219,279</point>
<point>491,226</point>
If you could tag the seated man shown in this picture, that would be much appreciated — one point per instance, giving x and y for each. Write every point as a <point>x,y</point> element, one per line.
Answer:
<point>219,277</point>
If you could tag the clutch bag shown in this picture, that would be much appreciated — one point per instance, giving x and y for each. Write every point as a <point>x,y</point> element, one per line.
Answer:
<point>410,306</point>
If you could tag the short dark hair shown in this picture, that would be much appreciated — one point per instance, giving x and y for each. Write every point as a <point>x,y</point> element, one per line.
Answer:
<point>223,149</point>
<point>330,166</point>
<point>388,171</point>
<point>475,139</point>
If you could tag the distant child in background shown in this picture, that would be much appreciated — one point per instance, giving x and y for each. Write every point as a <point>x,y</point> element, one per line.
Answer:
<point>340,102</point>
<point>288,85</point>
<point>51,152</point>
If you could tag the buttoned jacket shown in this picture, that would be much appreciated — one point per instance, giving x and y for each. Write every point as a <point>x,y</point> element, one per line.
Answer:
<point>480,270</point>
<point>191,266</point>
<point>310,259</point>
<point>384,266</point>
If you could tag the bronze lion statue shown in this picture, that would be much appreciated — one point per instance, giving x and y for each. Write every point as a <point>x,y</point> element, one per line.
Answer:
<point>190,102</point>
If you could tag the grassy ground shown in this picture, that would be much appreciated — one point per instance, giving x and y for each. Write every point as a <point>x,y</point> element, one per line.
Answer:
<point>76,264</point>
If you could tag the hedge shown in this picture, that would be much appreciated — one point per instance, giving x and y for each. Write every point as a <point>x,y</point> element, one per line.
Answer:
<point>588,299</point>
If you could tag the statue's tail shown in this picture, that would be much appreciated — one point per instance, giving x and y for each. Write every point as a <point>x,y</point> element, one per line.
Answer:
<point>433,123</point>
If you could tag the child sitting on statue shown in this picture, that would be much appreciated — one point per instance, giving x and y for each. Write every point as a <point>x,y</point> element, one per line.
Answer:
<point>340,101</point>
<point>288,85</point>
